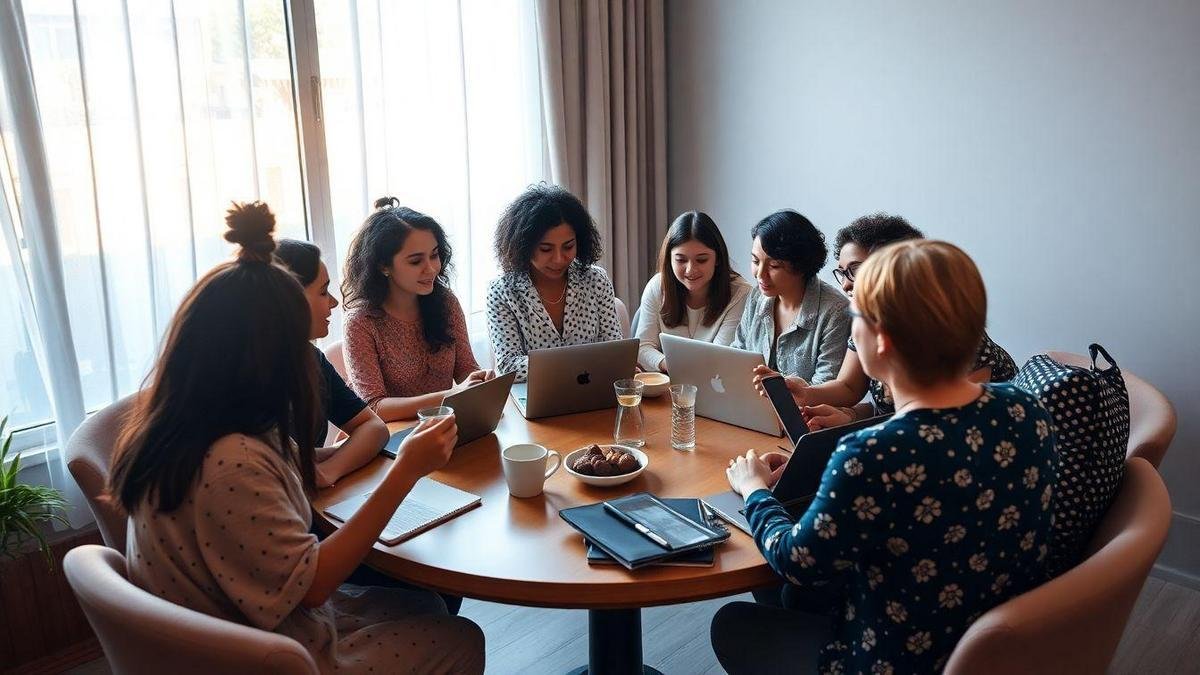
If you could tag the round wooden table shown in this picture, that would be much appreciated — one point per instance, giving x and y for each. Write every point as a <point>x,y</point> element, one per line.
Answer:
<point>519,551</point>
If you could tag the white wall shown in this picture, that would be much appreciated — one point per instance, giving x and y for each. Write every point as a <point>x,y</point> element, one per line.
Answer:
<point>1057,142</point>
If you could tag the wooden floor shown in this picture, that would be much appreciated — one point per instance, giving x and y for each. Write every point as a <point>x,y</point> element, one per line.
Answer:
<point>1163,636</point>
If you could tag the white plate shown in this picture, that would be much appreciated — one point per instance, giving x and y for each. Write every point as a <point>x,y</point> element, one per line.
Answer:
<point>607,481</point>
<point>652,390</point>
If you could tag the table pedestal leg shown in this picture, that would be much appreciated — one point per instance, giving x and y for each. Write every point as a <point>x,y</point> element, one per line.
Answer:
<point>614,643</point>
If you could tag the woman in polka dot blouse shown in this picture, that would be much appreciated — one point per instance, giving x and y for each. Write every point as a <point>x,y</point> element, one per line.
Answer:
<point>219,494</point>
<point>551,294</point>
<point>921,523</point>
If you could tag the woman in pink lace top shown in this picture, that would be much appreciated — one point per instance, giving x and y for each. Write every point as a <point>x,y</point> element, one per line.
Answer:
<point>406,336</point>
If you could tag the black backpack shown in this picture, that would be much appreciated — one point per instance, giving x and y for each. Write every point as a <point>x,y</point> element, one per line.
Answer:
<point>1090,409</point>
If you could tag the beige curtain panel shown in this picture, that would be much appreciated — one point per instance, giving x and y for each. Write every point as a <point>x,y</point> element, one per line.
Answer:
<point>604,104</point>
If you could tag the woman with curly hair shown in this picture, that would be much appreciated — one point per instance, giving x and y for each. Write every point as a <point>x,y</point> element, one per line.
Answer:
<point>406,335</point>
<point>551,293</point>
<point>796,321</point>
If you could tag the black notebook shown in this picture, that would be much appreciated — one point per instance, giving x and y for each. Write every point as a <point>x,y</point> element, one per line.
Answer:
<point>666,532</point>
<point>701,557</point>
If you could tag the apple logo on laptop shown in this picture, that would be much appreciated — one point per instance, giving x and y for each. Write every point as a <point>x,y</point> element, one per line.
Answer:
<point>584,378</point>
<point>717,385</point>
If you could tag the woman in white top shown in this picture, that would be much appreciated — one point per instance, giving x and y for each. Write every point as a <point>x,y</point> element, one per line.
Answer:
<point>695,293</point>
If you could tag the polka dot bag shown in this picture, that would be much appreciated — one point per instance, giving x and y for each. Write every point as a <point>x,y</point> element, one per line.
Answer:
<point>1090,409</point>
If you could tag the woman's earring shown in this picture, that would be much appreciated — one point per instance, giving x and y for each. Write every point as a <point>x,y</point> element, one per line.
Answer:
<point>387,273</point>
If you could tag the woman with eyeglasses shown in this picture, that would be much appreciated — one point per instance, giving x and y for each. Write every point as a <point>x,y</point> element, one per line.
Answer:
<point>837,401</point>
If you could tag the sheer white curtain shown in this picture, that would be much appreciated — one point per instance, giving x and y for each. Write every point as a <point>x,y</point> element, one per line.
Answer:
<point>135,123</point>
<point>437,104</point>
<point>39,278</point>
<point>128,127</point>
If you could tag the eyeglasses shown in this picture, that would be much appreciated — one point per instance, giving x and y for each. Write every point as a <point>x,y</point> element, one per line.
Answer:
<point>855,314</point>
<point>842,275</point>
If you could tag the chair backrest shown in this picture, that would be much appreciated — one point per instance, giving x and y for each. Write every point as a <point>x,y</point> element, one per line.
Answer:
<point>337,357</point>
<point>89,455</point>
<point>142,633</point>
<point>622,317</point>
<point>1152,420</point>
<point>1073,623</point>
<point>634,322</point>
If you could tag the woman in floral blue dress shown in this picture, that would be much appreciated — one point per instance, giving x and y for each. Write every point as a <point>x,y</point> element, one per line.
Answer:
<point>921,523</point>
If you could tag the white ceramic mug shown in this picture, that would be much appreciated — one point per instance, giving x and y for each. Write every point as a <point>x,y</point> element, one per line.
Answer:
<point>525,468</point>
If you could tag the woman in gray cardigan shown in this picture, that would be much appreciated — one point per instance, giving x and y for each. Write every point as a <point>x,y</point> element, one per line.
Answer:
<point>799,323</point>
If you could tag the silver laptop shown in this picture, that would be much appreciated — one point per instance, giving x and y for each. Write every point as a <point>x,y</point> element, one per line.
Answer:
<point>573,379</point>
<point>800,478</point>
<point>724,382</point>
<point>477,411</point>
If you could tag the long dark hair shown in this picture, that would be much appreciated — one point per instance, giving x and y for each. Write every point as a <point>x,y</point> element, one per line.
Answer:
<point>301,258</point>
<point>539,209</point>
<point>235,359</point>
<point>694,226</point>
<point>381,237</point>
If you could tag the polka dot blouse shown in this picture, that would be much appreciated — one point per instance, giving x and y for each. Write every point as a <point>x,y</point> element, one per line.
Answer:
<point>239,548</point>
<point>518,322</point>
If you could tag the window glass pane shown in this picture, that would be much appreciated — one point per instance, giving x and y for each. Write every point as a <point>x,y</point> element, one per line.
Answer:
<point>156,115</point>
<point>435,104</point>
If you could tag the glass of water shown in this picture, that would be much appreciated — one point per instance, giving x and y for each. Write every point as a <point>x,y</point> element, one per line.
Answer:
<point>630,427</point>
<point>683,416</point>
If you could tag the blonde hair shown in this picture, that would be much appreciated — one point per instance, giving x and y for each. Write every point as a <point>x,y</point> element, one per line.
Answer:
<point>928,297</point>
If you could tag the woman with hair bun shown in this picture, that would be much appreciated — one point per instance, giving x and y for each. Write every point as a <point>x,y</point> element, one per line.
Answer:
<point>796,321</point>
<point>406,335</point>
<point>215,466</point>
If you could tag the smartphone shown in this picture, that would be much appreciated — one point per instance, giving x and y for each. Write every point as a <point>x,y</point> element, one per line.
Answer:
<point>785,408</point>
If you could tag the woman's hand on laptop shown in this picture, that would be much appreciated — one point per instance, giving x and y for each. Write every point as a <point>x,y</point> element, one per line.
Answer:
<point>776,461</point>
<point>476,377</point>
<point>747,473</point>
<point>823,416</point>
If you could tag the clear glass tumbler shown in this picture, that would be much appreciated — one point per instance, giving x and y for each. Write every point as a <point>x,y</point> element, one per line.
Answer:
<point>683,416</point>
<point>630,428</point>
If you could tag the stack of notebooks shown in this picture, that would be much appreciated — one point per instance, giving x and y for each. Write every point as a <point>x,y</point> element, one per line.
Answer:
<point>641,530</point>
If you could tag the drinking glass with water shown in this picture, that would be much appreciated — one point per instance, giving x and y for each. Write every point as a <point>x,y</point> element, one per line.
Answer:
<point>683,416</point>
<point>630,427</point>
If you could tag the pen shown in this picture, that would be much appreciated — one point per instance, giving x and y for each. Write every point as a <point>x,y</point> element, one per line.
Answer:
<point>645,531</point>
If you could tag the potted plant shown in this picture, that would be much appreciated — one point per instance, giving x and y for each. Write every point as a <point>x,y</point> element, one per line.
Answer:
<point>24,509</point>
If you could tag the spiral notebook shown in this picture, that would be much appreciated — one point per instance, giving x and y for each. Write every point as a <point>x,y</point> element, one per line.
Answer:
<point>427,505</point>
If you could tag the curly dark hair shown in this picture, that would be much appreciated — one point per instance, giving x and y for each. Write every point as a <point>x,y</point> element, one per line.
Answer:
<point>539,209</point>
<point>788,236</point>
<point>873,231</point>
<point>380,238</point>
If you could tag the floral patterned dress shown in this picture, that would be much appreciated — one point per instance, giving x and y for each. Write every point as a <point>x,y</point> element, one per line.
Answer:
<point>927,520</point>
